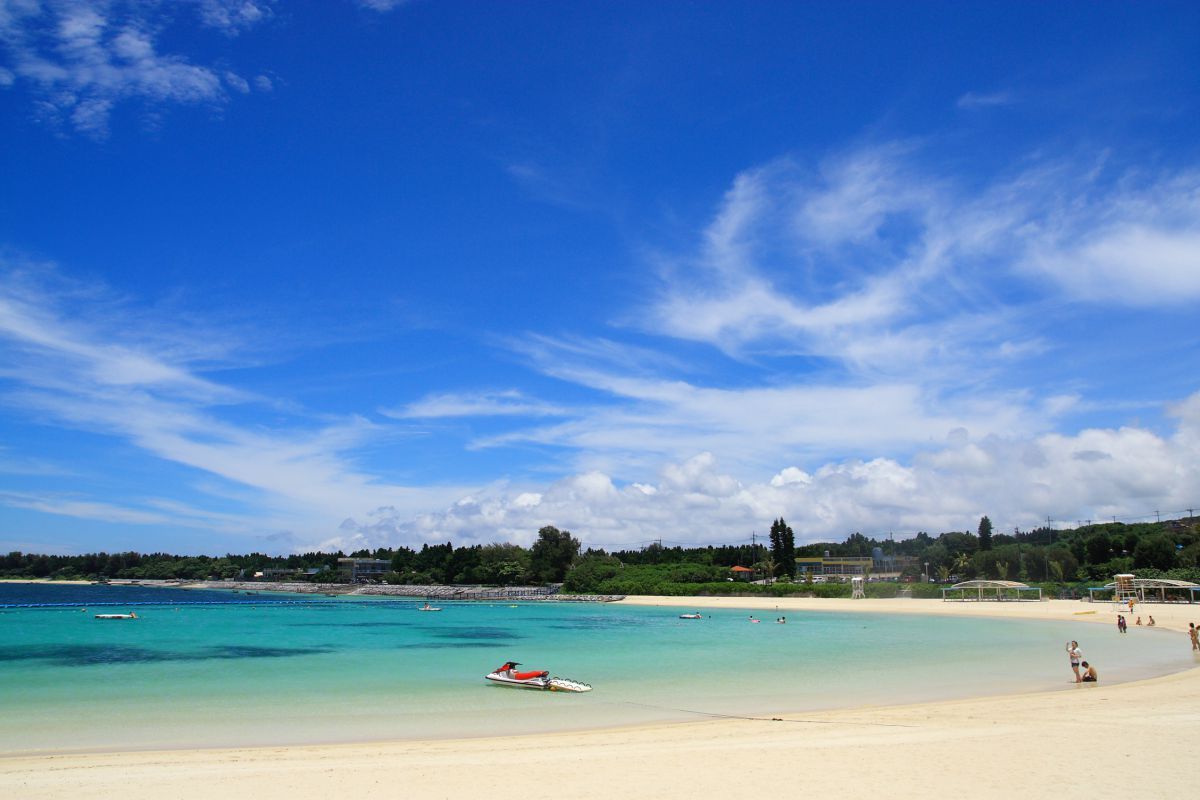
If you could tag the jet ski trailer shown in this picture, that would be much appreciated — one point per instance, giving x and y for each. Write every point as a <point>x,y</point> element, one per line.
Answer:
<point>509,675</point>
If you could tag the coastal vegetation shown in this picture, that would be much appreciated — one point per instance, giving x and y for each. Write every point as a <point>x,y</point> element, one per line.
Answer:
<point>1061,561</point>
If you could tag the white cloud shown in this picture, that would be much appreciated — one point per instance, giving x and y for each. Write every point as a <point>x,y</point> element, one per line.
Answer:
<point>263,83</point>
<point>1017,482</point>
<point>82,509</point>
<point>83,57</point>
<point>63,362</point>
<point>878,262</point>
<point>234,16</point>
<point>382,5</point>
<point>646,418</point>
<point>1136,264</point>
<point>972,100</point>
<point>476,404</point>
<point>237,82</point>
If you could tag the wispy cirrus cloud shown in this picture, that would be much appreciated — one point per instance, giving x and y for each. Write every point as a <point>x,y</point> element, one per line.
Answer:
<point>644,417</point>
<point>508,403</point>
<point>81,58</point>
<point>875,244</point>
<point>972,100</point>
<point>80,365</point>
<point>382,5</point>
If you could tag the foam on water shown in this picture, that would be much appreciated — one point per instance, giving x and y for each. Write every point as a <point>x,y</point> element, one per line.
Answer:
<point>353,670</point>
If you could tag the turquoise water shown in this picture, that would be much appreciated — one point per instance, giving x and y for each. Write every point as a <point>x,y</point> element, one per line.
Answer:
<point>355,670</point>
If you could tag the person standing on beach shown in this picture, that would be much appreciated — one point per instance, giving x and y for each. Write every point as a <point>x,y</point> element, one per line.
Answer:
<point>1194,633</point>
<point>1075,656</point>
<point>1120,623</point>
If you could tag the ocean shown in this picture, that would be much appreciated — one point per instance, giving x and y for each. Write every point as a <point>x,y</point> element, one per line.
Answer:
<point>272,671</point>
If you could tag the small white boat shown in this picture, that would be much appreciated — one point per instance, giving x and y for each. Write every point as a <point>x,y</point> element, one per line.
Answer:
<point>428,607</point>
<point>691,616</point>
<point>117,616</point>
<point>507,675</point>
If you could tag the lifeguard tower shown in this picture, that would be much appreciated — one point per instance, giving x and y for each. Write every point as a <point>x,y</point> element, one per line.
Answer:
<point>856,588</point>
<point>1125,593</point>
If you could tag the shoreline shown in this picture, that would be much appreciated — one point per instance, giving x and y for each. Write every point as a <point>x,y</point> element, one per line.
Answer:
<point>995,744</point>
<point>1171,616</point>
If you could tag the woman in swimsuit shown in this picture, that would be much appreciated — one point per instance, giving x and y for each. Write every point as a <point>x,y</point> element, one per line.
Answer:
<point>1075,656</point>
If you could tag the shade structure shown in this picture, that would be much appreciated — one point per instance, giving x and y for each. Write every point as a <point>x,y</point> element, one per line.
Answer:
<point>991,590</point>
<point>1147,590</point>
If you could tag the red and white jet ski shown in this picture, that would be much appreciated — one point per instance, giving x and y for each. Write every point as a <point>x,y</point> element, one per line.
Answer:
<point>508,675</point>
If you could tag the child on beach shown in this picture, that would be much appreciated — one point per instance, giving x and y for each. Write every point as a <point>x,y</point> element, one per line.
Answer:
<point>1150,624</point>
<point>1089,675</point>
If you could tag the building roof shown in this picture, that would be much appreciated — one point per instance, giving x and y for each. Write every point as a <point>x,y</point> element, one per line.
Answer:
<point>741,569</point>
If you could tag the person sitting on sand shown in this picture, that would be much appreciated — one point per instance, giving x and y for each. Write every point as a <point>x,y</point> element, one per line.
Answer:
<point>1138,622</point>
<point>1150,624</point>
<point>1089,673</point>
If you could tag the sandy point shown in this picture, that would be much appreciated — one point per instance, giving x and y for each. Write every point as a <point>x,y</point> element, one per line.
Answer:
<point>1101,741</point>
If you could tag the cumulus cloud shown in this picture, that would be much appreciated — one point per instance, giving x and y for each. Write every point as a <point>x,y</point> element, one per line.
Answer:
<point>81,58</point>
<point>1017,482</point>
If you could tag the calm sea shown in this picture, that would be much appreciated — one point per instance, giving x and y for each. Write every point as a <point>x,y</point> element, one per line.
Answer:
<point>351,669</point>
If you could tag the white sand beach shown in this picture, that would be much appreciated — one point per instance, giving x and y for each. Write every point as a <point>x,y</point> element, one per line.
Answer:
<point>1097,741</point>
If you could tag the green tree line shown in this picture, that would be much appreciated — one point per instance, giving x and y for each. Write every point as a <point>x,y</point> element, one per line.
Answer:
<point>1083,556</point>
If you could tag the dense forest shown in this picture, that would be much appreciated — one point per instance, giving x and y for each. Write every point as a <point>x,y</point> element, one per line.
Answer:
<point>1059,560</point>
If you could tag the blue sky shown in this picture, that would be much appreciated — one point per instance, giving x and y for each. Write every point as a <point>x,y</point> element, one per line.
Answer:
<point>277,276</point>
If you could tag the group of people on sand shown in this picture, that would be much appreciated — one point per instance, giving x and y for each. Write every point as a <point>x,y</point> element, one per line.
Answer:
<point>1084,672</point>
